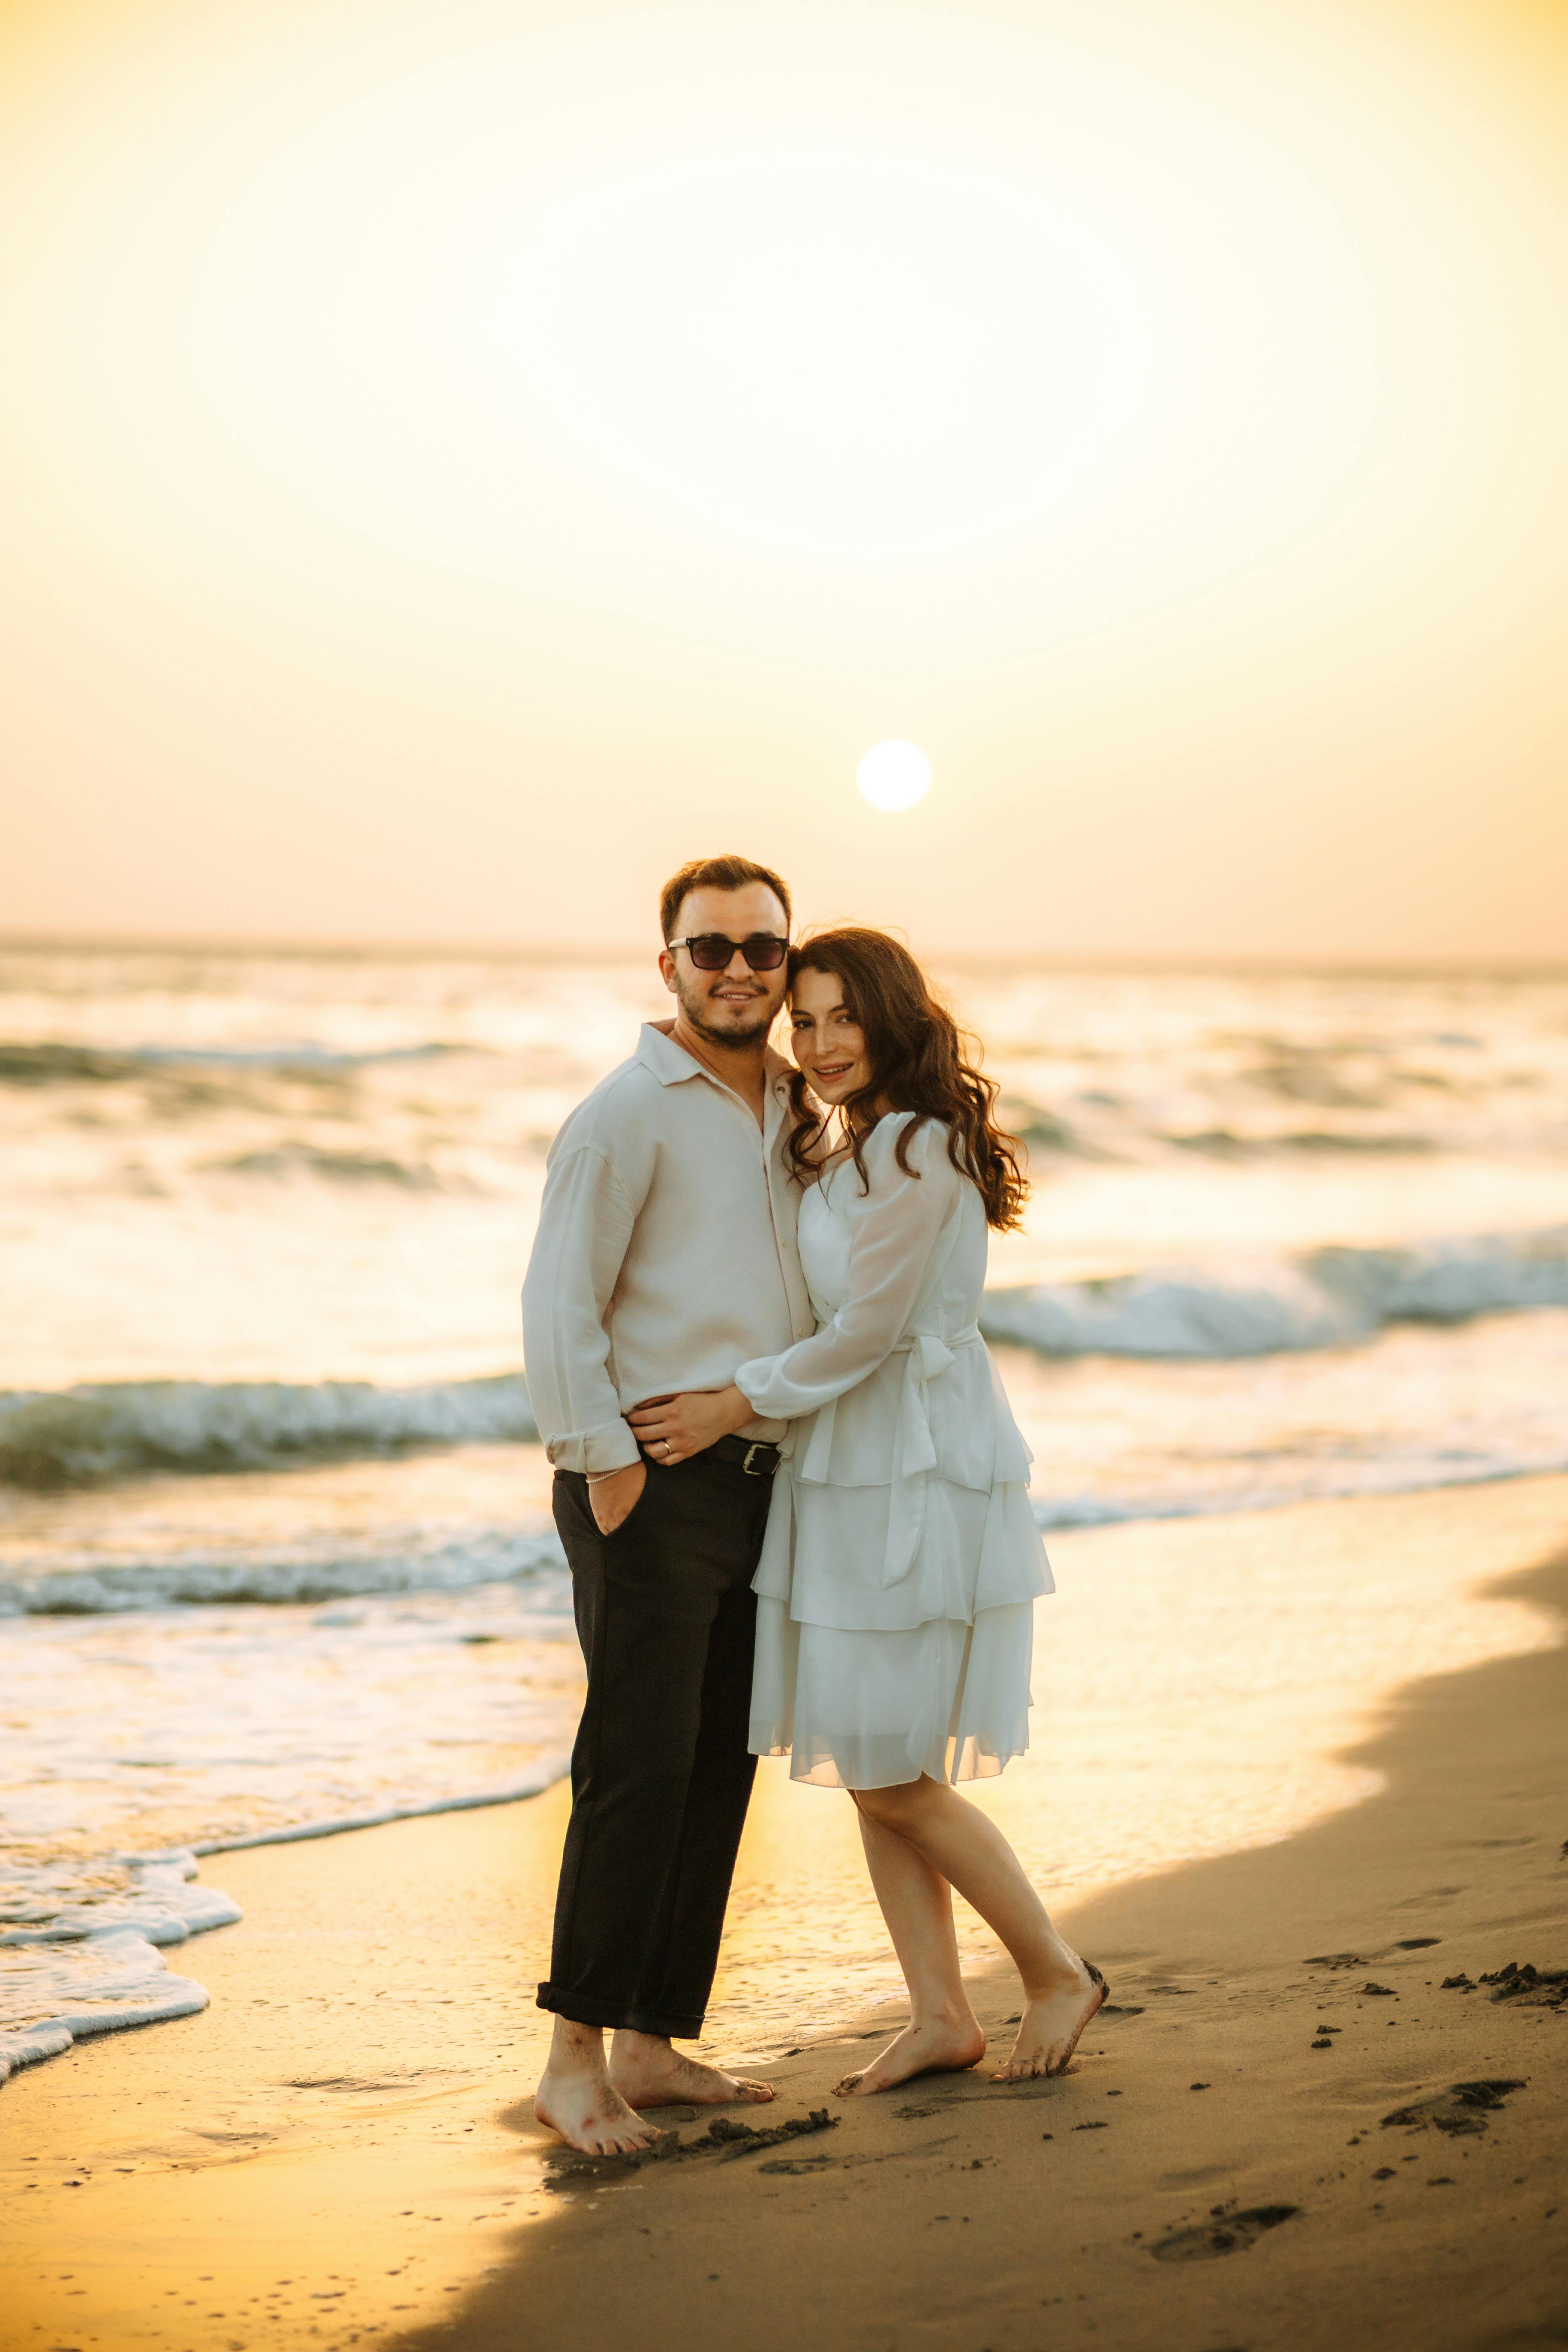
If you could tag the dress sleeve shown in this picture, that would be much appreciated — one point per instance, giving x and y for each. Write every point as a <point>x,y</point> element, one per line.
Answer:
<point>895,1222</point>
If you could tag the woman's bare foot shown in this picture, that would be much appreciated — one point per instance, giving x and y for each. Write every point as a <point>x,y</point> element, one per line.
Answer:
<point>940,2046</point>
<point>647,2073</point>
<point>589,2112</point>
<point>1049,2028</point>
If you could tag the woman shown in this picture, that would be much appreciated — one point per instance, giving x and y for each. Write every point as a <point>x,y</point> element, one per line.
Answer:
<point>901,1563</point>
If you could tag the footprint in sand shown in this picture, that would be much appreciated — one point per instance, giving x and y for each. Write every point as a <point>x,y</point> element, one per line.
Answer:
<point>1231,2233</point>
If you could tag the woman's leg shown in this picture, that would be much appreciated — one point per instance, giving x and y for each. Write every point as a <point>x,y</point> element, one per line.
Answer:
<point>917,1904</point>
<point>965,1848</point>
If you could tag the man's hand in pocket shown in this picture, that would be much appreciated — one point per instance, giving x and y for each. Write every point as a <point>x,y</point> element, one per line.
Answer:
<point>614,1498</point>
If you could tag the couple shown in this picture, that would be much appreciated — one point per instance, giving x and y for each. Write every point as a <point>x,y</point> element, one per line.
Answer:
<point>791,1492</point>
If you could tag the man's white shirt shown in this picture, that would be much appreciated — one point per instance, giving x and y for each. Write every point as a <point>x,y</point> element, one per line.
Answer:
<point>665,1252</point>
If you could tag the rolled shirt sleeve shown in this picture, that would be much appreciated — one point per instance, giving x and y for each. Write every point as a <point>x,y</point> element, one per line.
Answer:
<point>585,1224</point>
<point>896,1218</point>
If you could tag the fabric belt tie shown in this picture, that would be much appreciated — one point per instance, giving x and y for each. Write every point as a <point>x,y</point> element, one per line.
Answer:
<point>926,1357</point>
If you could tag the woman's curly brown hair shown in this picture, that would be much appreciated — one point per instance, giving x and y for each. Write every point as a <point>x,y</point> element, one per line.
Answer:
<point>916,1050</point>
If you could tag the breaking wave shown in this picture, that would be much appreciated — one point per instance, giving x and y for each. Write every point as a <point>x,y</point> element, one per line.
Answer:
<point>1328,1297</point>
<point>423,1561</point>
<point>1325,1297</point>
<point>81,1436</point>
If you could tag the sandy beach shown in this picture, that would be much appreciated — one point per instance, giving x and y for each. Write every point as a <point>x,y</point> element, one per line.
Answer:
<point>342,2146</point>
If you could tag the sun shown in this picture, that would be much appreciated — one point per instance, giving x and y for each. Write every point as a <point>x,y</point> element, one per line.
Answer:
<point>894,775</point>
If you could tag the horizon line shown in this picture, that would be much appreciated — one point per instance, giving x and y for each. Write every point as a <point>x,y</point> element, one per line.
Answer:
<point>544,950</point>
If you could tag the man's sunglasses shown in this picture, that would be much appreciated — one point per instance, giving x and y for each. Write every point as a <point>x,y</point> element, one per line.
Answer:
<point>714,952</point>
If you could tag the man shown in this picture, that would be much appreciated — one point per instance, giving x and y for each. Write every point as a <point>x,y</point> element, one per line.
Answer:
<point>665,1258</point>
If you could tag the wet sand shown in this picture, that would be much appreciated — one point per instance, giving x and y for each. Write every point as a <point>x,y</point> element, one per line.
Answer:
<point>337,2150</point>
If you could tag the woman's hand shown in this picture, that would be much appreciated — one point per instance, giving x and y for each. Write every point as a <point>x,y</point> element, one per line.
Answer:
<point>673,1428</point>
<point>614,1498</point>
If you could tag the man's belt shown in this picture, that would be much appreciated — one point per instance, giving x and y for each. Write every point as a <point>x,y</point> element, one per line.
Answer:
<point>756,1457</point>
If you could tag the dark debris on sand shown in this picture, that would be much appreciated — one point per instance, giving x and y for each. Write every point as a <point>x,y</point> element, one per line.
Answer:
<point>1538,1987</point>
<point>745,2139</point>
<point>1462,2108</point>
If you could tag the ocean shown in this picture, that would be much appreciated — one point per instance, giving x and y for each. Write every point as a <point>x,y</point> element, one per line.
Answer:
<point>276,1555</point>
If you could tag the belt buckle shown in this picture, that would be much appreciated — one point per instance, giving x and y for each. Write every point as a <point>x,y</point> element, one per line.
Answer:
<point>759,1446</point>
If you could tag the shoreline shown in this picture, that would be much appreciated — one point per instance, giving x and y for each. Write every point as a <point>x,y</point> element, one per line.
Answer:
<point>341,2148</point>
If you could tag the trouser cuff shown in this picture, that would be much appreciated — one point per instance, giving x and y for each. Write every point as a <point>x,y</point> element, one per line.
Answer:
<point>582,2009</point>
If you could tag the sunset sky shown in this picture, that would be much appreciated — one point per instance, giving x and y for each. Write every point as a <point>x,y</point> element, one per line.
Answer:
<point>459,457</point>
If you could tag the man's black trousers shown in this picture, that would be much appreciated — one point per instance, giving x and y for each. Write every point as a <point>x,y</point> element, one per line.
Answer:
<point>660,1772</point>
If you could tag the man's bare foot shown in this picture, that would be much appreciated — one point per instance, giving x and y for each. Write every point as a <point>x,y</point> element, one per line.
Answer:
<point>647,2073</point>
<point>1049,2028</point>
<point>942,2045</point>
<point>589,2112</point>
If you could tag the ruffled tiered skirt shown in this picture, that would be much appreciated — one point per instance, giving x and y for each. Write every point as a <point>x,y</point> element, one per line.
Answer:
<point>866,1686</point>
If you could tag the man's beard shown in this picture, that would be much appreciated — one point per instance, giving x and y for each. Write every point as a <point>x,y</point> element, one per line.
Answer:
<point>695,1008</point>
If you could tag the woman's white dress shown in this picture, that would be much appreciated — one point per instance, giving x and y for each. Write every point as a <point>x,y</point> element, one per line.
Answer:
<point>901,1561</point>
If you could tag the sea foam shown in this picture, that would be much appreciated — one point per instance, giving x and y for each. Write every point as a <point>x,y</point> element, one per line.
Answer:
<point>81,1950</point>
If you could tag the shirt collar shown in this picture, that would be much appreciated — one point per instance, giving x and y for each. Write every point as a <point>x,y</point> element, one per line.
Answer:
<point>670,1062</point>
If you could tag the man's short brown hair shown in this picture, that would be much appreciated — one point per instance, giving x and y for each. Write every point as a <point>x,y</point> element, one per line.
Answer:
<point>715,874</point>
